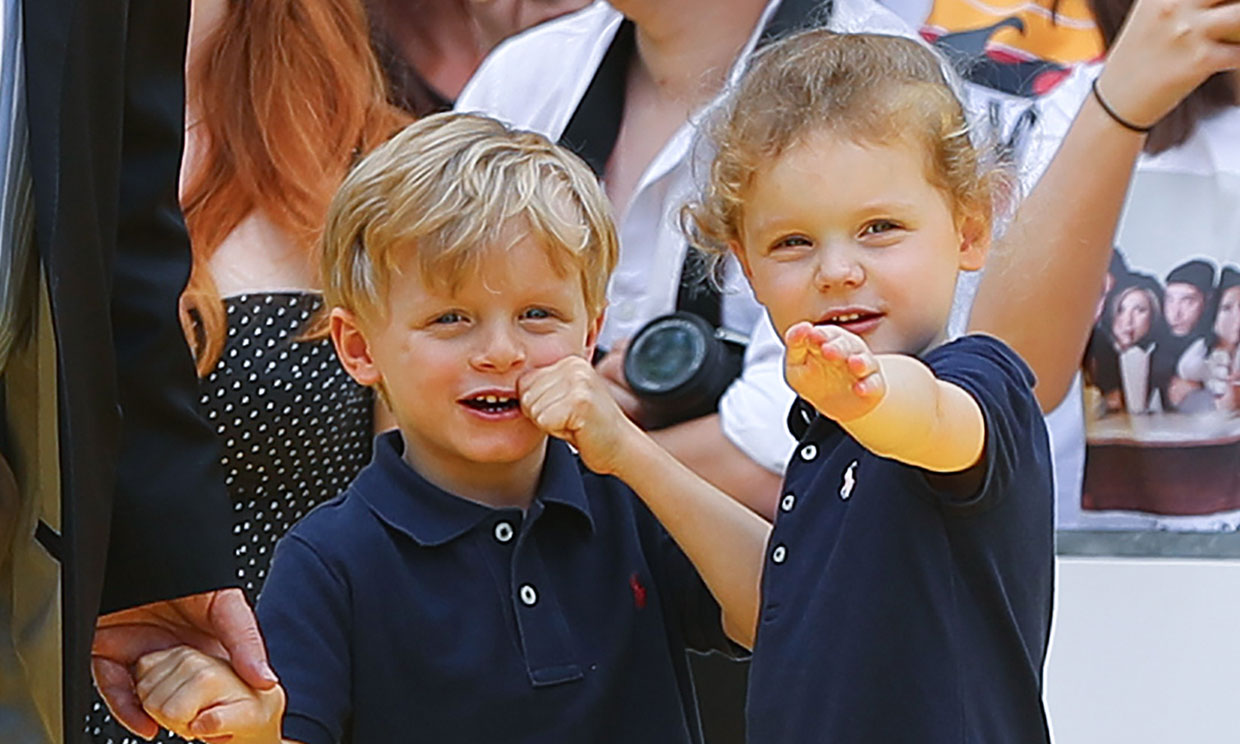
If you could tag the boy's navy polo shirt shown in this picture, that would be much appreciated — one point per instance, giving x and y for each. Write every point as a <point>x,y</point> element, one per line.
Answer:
<point>904,606</point>
<point>399,612</point>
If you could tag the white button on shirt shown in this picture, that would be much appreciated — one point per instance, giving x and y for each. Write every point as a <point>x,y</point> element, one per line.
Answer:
<point>503,531</point>
<point>787,502</point>
<point>528,594</point>
<point>779,554</point>
<point>809,452</point>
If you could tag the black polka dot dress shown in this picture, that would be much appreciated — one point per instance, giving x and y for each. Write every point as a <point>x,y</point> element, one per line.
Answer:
<point>295,430</point>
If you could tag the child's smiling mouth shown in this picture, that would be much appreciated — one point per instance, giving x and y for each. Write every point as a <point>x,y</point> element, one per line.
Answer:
<point>492,403</point>
<point>855,320</point>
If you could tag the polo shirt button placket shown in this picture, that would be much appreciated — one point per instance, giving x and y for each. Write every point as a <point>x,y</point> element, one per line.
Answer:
<point>528,595</point>
<point>504,532</point>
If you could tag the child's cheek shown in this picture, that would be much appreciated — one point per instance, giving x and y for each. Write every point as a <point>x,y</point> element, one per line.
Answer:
<point>543,352</point>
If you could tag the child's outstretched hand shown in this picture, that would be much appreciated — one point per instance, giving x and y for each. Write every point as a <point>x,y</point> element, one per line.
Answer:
<point>834,370</point>
<point>569,400</point>
<point>198,696</point>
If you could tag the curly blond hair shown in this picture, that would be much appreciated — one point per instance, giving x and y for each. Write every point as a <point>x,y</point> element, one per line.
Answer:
<point>866,88</point>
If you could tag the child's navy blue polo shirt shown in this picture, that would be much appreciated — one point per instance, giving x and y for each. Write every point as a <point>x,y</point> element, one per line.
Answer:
<point>904,606</point>
<point>399,612</point>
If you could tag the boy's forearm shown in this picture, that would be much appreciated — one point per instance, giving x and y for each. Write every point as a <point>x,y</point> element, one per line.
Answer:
<point>921,420</point>
<point>724,539</point>
<point>1043,281</point>
<point>702,446</point>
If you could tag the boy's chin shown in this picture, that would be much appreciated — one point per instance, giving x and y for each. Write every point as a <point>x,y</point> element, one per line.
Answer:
<point>509,449</point>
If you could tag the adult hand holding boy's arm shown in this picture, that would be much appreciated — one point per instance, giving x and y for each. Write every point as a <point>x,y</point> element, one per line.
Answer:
<point>724,539</point>
<point>891,403</point>
<point>198,696</point>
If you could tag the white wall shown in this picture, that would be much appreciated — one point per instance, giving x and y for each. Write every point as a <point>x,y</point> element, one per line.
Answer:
<point>1145,651</point>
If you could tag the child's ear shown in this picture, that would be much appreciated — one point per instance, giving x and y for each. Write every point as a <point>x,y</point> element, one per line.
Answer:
<point>353,348</point>
<point>975,236</point>
<point>738,250</point>
<point>592,332</point>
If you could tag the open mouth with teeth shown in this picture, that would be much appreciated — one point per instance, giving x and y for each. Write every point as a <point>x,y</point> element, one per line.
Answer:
<point>492,403</point>
<point>856,321</point>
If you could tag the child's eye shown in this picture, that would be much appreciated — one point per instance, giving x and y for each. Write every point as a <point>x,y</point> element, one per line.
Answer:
<point>791,241</point>
<point>877,227</point>
<point>536,313</point>
<point>448,318</point>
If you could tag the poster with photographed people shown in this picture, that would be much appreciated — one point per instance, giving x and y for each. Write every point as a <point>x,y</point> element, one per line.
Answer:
<point>1161,374</point>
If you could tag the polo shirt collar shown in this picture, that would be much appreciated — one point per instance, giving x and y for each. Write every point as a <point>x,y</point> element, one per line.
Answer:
<point>400,496</point>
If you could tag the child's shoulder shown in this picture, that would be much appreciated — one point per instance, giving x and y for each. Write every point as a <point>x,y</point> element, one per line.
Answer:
<point>336,526</point>
<point>980,353</point>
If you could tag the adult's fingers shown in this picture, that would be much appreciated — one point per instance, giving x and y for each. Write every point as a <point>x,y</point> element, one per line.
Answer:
<point>612,366</point>
<point>236,628</point>
<point>116,687</point>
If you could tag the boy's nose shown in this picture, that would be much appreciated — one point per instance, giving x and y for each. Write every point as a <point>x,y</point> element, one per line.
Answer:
<point>837,267</point>
<point>500,351</point>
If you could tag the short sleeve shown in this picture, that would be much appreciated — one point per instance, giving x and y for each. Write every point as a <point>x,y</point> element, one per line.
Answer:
<point>1002,384</point>
<point>688,604</point>
<point>303,613</point>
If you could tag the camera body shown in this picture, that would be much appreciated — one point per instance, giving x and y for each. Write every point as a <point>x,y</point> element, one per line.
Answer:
<point>679,365</point>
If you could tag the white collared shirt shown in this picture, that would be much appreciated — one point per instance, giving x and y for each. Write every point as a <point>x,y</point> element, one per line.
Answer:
<point>535,80</point>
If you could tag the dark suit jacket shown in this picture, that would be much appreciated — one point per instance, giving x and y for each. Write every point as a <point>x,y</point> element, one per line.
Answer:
<point>144,512</point>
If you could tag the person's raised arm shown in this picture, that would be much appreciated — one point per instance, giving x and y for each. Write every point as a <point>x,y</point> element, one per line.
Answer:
<point>724,539</point>
<point>1042,284</point>
<point>892,404</point>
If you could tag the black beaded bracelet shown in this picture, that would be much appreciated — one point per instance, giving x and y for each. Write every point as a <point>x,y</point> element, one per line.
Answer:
<point>1111,112</point>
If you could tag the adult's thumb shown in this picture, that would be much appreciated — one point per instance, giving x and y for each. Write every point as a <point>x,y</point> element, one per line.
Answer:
<point>237,629</point>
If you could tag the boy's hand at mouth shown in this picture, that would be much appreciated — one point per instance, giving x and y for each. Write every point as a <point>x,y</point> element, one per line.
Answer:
<point>834,370</point>
<point>570,401</point>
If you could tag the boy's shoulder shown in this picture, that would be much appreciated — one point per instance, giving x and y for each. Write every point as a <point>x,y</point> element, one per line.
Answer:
<point>337,526</point>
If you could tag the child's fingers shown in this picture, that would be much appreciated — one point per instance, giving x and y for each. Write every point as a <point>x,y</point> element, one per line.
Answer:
<point>155,672</point>
<point>240,717</point>
<point>862,365</point>
<point>870,386</point>
<point>186,681</point>
<point>841,347</point>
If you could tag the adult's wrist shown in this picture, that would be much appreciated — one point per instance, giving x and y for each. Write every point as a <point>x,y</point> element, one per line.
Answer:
<point>1125,103</point>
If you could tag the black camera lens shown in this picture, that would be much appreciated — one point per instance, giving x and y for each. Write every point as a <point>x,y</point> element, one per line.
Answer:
<point>680,365</point>
<point>663,359</point>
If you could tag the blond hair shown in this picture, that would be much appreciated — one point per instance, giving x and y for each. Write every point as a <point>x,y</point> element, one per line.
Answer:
<point>447,190</point>
<point>863,87</point>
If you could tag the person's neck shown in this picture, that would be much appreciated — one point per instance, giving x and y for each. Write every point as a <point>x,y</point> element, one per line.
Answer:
<point>438,39</point>
<point>493,484</point>
<point>681,55</point>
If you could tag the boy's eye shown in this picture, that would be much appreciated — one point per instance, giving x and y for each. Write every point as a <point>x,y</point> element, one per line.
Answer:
<point>536,313</point>
<point>448,318</point>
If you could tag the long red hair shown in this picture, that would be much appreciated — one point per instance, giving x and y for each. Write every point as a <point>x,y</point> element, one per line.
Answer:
<point>289,95</point>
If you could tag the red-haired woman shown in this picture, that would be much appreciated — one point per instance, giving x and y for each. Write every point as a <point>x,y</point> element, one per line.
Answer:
<point>283,96</point>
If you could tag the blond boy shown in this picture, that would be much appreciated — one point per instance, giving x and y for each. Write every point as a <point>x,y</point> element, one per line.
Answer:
<point>475,583</point>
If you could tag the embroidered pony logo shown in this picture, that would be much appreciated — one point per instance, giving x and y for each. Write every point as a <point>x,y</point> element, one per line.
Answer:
<point>849,481</point>
<point>639,591</point>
